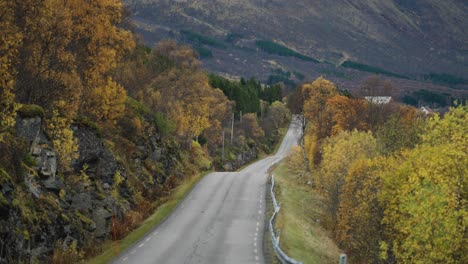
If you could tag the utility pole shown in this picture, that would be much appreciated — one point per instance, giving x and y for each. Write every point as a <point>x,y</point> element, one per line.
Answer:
<point>240,117</point>
<point>223,147</point>
<point>232,128</point>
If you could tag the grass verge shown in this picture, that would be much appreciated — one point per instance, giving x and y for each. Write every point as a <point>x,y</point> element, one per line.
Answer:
<point>302,236</point>
<point>155,219</point>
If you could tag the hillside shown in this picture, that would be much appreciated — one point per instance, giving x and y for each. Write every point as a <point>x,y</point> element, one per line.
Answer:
<point>406,39</point>
<point>98,131</point>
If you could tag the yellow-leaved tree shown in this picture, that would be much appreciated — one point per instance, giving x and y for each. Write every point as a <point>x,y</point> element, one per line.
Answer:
<point>182,92</point>
<point>339,152</point>
<point>359,230</point>
<point>319,122</point>
<point>425,195</point>
<point>10,39</point>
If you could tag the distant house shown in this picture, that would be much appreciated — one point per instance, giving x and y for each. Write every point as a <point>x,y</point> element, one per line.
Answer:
<point>426,110</point>
<point>379,100</point>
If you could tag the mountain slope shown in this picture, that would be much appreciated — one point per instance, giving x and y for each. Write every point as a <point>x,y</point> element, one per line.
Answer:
<point>410,37</point>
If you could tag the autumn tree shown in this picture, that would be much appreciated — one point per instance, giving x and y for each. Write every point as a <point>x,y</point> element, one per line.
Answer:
<point>317,119</point>
<point>346,113</point>
<point>339,152</point>
<point>10,40</point>
<point>69,49</point>
<point>181,90</point>
<point>401,130</point>
<point>278,114</point>
<point>359,230</point>
<point>251,127</point>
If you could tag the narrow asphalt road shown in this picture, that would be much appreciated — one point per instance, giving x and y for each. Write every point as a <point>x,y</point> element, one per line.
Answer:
<point>220,221</point>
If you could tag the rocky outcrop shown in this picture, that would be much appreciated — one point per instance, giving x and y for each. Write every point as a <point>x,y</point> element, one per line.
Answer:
<point>242,159</point>
<point>47,207</point>
<point>100,162</point>
<point>50,210</point>
<point>31,130</point>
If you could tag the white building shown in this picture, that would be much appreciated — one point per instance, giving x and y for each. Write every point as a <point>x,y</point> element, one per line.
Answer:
<point>379,100</point>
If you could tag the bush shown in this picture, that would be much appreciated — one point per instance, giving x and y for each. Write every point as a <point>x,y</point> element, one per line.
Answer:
<point>29,111</point>
<point>69,255</point>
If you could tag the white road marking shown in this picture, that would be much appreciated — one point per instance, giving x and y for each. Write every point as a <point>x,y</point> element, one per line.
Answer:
<point>255,250</point>
<point>133,252</point>
<point>256,229</point>
<point>255,244</point>
<point>141,245</point>
<point>255,238</point>
<point>256,234</point>
<point>258,223</point>
<point>148,239</point>
<point>124,259</point>
<point>259,211</point>
<point>155,233</point>
<point>256,257</point>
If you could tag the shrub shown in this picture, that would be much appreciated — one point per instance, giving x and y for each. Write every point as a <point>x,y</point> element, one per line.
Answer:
<point>29,111</point>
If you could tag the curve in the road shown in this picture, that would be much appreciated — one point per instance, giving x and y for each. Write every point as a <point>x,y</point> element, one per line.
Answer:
<point>220,221</point>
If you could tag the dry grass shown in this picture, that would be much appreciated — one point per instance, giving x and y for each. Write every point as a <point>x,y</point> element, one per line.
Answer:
<point>302,236</point>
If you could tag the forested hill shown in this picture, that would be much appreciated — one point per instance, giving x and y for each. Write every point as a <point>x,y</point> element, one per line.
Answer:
<point>95,126</point>
<point>422,44</point>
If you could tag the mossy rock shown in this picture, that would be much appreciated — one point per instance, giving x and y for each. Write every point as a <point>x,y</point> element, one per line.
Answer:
<point>29,111</point>
<point>84,121</point>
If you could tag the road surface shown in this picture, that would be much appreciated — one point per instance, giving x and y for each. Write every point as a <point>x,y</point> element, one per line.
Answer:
<point>220,221</point>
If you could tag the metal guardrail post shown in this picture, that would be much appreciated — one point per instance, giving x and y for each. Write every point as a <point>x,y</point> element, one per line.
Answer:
<point>275,239</point>
<point>343,259</point>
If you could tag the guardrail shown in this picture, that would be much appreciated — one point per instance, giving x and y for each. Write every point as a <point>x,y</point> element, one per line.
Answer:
<point>283,258</point>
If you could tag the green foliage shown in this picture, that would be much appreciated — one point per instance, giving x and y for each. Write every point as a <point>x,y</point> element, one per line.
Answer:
<point>29,111</point>
<point>71,254</point>
<point>299,75</point>
<point>138,107</point>
<point>451,129</point>
<point>199,157</point>
<point>247,94</point>
<point>164,125</point>
<point>398,133</point>
<point>367,68</point>
<point>84,121</point>
<point>4,176</point>
<point>232,37</point>
<point>444,78</point>
<point>336,73</point>
<point>202,39</point>
<point>29,160</point>
<point>274,79</point>
<point>277,49</point>
<point>204,53</point>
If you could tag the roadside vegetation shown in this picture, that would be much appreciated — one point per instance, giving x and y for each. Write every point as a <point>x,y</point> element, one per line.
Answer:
<point>302,236</point>
<point>390,178</point>
<point>124,125</point>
